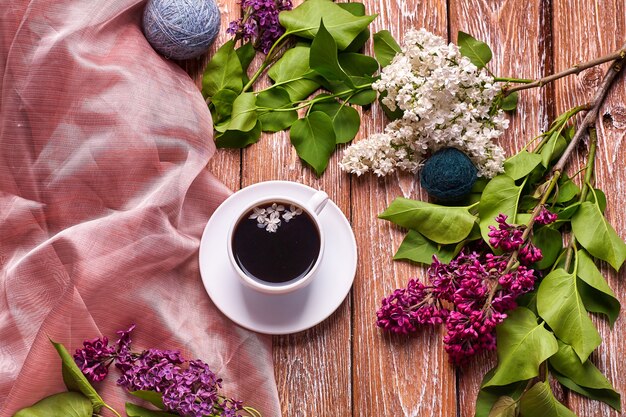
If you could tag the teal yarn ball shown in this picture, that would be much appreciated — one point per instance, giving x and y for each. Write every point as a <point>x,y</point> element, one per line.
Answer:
<point>181,29</point>
<point>448,175</point>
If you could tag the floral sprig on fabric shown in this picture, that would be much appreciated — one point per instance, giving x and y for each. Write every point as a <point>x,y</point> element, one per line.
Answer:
<point>445,101</point>
<point>269,218</point>
<point>188,388</point>
<point>513,266</point>
<point>185,388</point>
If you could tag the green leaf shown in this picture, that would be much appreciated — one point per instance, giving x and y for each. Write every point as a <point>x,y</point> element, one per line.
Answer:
<point>553,148</point>
<point>501,195</point>
<point>417,248</point>
<point>477,51</point>
<point>274,121</point>
<point>222,102</point>
<point>599,196</point>
<point>597,236</point>
<point>598,302</point>
<point>346,120</point>
<point>357,64</point>
<point>243,116</point>
<point>323,58</point>
<point>153,397</point>
<point>314,139</point>
<point>523,218</point>
<point>504,407</point>
<point>385,47</point>
<point>363,98</point>
<point>527,203</point>
<point>359,42</point>
<point>521,164</point>
<point>133,410</point>
<point>246,54</point>
<point>292,72</point>
<point>607,396</point>
<point>356,9</point>
<point>569,211</point>
<point>550,242</point>
<point>539,401</point>
<point>65,404</point>
<point>595,292</point>
<point>440,224</point>
<point>567,190</point>
<point>560,305</point>
<point>522,346</point>
<point>487,397</point>
<point>567,363</point>
<point>237,138</point>
<point>223,71</point>
<point>509,102</point>
<point>304,21</point>
<point>74,378</point>
<point>528,300</point>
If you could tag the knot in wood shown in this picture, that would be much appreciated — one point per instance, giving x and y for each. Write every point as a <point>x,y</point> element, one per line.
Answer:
<point>615,117</point>
<point>591,78</point>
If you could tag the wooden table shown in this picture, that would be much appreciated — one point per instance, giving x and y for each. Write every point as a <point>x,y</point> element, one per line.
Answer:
<point>346,366</point>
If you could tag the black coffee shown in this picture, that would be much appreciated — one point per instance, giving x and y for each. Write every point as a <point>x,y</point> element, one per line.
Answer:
<point>276,243</point>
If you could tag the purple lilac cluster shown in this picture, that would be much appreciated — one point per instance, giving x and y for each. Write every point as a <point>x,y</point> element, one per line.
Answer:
<point>259,23</point>
<point>95,358</point>
<point>470,295</point>
<point>545,216</point>
<point>189,388</point>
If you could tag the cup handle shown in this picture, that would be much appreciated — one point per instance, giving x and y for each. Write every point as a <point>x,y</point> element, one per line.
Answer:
<point>317,202</point>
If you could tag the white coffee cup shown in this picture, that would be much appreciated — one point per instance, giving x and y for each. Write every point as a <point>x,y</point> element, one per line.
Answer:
<point>313,207</point>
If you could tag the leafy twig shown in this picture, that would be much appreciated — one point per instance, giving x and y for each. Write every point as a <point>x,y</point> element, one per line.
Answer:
<point>565,118</point>
<point>269,59</point>
<point>587,122</point>
<point>618,55</point>
<point>593,141</point>
<point>591,116</point>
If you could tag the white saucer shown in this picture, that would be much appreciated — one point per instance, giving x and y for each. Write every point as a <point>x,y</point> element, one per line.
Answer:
<point>285,313</point>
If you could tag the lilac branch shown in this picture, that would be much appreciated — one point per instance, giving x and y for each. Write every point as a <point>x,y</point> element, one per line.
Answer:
<point>618,55</point>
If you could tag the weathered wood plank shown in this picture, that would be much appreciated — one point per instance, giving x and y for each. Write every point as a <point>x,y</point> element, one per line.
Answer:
<point>516,32</point>
<point>393,376</point>
<point>585,29</point>
<point>328,370</point>
<point>312,368</point>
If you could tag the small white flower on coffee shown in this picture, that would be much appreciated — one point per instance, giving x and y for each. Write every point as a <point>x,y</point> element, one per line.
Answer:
<point>275,208</point>
<point>269,218</point>
<point>273,222</point>
<point>258,213</point>
<point>293,212</point>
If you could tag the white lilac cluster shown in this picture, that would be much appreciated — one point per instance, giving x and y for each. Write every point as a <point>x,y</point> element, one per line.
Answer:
<point>269,218</point>
<point>446,102</point>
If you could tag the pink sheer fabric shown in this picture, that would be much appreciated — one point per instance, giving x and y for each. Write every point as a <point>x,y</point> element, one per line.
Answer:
<point>103,198</point>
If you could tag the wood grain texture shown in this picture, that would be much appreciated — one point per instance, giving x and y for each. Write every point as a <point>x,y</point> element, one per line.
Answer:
<point>345,366</point>
<point>393,376</point>
<point>312,367</point>
<point>582,30</point>
<point>518,35</point>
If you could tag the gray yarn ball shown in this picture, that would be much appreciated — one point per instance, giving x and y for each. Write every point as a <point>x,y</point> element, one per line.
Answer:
<point>181,29</point>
